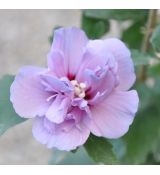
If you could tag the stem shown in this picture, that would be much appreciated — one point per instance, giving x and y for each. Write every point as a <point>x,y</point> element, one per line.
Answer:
<point>151,23</point>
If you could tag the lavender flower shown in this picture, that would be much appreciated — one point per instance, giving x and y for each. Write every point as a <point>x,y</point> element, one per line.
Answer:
<point>84,90</point>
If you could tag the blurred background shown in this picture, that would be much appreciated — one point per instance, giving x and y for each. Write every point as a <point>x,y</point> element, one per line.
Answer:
<point>24,40</point>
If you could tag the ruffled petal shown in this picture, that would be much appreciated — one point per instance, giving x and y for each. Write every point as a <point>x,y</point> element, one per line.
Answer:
<point>99,52</point>
<point>100,86</point>
<point>65,136</point>
<point>42,129</point>
<point>98,70</point>
<point>71,43</point>
<point>54,84</point>
<point>27,93</point>
<point>125,64</point>
<point>95,56</point>
<point>114,115</point>
<point>70,140</point>
<point>58,110</point>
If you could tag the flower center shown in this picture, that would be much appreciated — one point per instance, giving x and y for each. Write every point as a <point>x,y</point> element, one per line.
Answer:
<point>79,88</point>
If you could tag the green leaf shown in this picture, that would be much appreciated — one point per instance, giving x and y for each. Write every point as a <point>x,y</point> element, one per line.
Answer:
<point>155,39</point>
<point>156,91</point>
<point>100,150</point>
<point>80,157</point>
<point>142,136</point>
<point>151,160</point>
<point>117,14</point>
<point>156,151</point>
<point>154,70</point>
<point>147,99</point>
<point>94,28</point>
<point>144,133</point>
<point>140,58</point>
<point>119,147</point>
<point>133,35</point>
<point>8,117</point>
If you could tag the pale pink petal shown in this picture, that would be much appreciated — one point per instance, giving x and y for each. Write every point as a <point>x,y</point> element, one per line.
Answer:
<point>77,115</point>
<point>125,64</point>
<point>98,70</point>
<point>81,103</point>
<point>114,115</point>
<point>94,56</point>
<point>99,86</point>
<point>69,140</point>
<point>90,124</point>
<point>71,42</point>
<point>56,63</point>
<point>64,136</point>
<point>42,129</point>
<point>98,97</point>
<point>58,110</point>
<point>27,93</point>
<point>55,84</point>
<point>98,53</point>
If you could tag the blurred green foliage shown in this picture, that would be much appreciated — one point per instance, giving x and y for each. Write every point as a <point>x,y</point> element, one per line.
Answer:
<point>8,117</point>
<point>133,35</point>
<point>80,157</point>
<point>95,28</point>
<point>117,14</point>
<point>155,39</point>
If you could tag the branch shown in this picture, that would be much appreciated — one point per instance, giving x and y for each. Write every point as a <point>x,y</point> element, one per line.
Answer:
<point>151,23</point>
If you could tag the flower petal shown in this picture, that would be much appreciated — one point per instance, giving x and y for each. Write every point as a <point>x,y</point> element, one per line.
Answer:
<point>27,93</point>
<point>71,43</point>
<point>42,129</point>
<point>99,86</point>
<point>58,110</point>
<point>98,52</point>
<point>94,57</point>
<point>55,84</point>
<point>125,64</point>
<point>114,115</point>
<point>70,140</point>
<point>56,63</point>
<point>59,136</point>
<point>90,124</point>
<point>98,70</point>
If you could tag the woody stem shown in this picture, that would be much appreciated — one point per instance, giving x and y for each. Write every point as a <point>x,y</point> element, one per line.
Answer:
<point>151,23</point>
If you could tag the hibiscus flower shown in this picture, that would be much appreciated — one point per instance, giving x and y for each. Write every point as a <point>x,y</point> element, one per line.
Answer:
<point>84,90</point>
